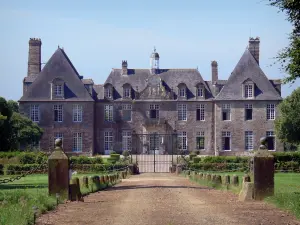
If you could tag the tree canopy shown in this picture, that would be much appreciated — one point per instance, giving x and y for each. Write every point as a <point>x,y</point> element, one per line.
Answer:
<point>289,57</point>
<point>287,124</point>
<point>16,129</point>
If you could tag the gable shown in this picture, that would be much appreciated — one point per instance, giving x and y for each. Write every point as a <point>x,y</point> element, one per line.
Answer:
<point>247,70</point>
<point>58,67</point>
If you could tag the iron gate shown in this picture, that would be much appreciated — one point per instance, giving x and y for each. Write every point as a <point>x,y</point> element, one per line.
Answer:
<point>154,152</point>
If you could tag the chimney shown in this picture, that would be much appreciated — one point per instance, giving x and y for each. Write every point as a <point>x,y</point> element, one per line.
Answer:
<point>34,56</point>
<point>254,47</point>
<point>124,67</point>
<point>214,72</point>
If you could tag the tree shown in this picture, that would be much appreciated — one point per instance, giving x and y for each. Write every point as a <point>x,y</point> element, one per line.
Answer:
<point>287,124</point>
<point>5,128</point>
<point>13,105</point>
<point>289,57</point>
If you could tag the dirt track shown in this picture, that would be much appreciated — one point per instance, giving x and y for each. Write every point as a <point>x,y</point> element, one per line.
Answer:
<point>164,199</point>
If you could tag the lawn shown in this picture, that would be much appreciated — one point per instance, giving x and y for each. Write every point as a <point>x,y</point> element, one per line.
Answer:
<point>18,198</point>
<point>287,190</point>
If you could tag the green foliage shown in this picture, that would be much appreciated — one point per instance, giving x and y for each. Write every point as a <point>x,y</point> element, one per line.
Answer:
<point>220,166</point>
<point>286,156</point>
<point>125,153</point>
<point>289,57</point>
<point>9,154</point>
<point>225,159</point>
<point>85,160</point>
<point>116,157</point>
<point>13,106</point>
<point>192,155</point>
<point>5,126</point>
<point>81,168</point>
<point>290,166</point>
<point>196,159</point>
<point>1,169</point>
<point>112,152</point>
<point>287,124</point>
<point>27,158</point>
<point>12,169</point>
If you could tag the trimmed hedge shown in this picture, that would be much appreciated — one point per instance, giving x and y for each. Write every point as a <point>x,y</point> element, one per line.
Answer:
<point>26,157</point>
<point>290,166</point>
<point>242,167</point>
<point>115,156</point>
<point>225,159</point>
<point>1,169</point>
<point>13,169</point>
<point>286,156</point>
<point>97,167</point>
<point>85,160</point>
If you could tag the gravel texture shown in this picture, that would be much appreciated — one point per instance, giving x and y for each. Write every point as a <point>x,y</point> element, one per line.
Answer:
<point>164,199</point>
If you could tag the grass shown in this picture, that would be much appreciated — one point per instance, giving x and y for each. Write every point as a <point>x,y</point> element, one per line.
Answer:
<point>18,198</point>
<point>286,190</point>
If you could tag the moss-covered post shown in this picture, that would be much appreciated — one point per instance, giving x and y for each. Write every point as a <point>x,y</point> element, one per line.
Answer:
<point>263,172</point>
<point>58,172</point>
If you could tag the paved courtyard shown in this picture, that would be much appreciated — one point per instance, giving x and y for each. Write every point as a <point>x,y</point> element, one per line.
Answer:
<point>164,199</point>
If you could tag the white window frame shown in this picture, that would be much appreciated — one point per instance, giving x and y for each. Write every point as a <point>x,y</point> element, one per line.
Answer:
<point>271,133</point>
<point>200,134</point>
<point>36,145</point>
<point>60,113</point>
<point>182,112</point>
<point>35,113</point>
<point>200,91</point>
<point>60,136</point>
<point>182,91</point>
<point>271,111</point>
<point>127,92</point>
<point>77,142</point>
<point>226,108</point>
<point>77,113</point>
<point>248,106</point>
<point>126,140</point>
<point>249,91</point>
<point>249,140</point>
<point>108,92</point>
<point>182,140</point>
<point>108,141</point>
<point>58,90</point>
<point>224,135</point>
<point>108,113</point>
<point>127,107</point>
<point>154,107</point>
<point>202,111</point>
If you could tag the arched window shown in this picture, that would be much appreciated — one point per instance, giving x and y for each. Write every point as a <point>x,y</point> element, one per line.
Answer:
<point>200,90</point>
<point>108,91</point>
<point>182,90</point>
<point>126,91</point>
<point>248,89</point>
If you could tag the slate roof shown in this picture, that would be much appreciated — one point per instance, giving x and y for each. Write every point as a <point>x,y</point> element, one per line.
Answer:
<point>99,89</point>
<point>58,66</point>
<point>137,78</point>
<point>248,68</point>
<point>30,79</point>
<point>87,81</point>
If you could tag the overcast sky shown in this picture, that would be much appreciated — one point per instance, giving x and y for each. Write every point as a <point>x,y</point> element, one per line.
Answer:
<point>97,35</point>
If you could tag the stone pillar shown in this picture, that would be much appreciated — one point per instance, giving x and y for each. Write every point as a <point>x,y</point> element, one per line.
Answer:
<point>58,172</point>
<point>263,172</point>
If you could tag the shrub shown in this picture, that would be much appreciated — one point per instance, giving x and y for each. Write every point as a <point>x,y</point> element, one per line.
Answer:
<point>96,160</point>
<point>112,152</point>
<point>290,166</point>
<point>115,156</point>
<point>192,155</point>
<point>226,159</point>
<point>27,157</point>
<point>98,167</point>
<point>196,159</point>
<point>286,156</point>
<point>1,169</point>
<point>82,160</point>
<point>220,166</point>
<point>125,153</point>
<point>12,169</point>
<point>9,154</point>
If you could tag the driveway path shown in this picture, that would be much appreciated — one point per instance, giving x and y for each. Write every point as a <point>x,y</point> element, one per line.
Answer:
<point>164,199</point>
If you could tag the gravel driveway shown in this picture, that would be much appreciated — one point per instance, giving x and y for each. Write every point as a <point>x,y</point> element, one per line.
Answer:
<point>164,199</point>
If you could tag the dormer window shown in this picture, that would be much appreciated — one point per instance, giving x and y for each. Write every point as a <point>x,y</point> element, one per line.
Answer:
<point>126,91</point>
<point>182,92</point>
<point>248,89</point>
<point>108,91</point>
<point>200,91</point>
<point>57,88</point>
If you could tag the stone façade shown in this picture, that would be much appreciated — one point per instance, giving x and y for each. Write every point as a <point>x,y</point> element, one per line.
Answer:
<point>37,91</point>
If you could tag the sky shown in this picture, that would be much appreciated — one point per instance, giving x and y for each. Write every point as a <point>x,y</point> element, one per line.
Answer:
<point>97,35</point>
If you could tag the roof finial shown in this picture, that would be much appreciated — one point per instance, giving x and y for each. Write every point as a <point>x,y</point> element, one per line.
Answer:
<point>57,46</point>
<point>154,49</point>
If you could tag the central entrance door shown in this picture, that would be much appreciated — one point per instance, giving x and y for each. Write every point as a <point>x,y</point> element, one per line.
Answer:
<point>154,152</point>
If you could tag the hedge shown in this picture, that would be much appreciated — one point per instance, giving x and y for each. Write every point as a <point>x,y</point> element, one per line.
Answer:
<point>1,169</point>
<point>12,169</point>
<point>242,167</point>
<point>85,160</point>
<point>97,167</point>
<point>286,156</point>
<point>225,159</point>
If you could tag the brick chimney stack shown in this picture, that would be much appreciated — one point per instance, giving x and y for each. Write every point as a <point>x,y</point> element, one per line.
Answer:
<point>34,56</point>
<point>254,47</point>
<point>214,72</point>
<point>124,67</point>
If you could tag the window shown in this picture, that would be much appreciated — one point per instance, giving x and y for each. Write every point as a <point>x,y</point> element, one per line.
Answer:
<point>249,140</point>
<point>154,111</point>
<point>270,112</point>
<point>58,113</point>
<point>248,90</point>
<point>200,91</point>
<point>60,136</point>
<point>126,140</point>
<point>200,112</point>
<point>226,142</point>
<point>108,141</point>
<point>200,140</point>
<point>226,112</point>
<point>35,145</point>
<point>58,90</point>
<point>270,140</point>
<point>182,141</point>
<point>77,113</point>
<point>182,115</point>
<point>35,113</point>
<point>126,112</point>
<point>126,93</point>
<point>77,142</point>
<point>182,91</point>
<point>108,92</point>
<point>248,111</point>
<point>108,113</point>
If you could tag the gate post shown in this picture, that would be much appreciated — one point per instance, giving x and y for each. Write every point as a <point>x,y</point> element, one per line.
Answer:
<point>58,172</point>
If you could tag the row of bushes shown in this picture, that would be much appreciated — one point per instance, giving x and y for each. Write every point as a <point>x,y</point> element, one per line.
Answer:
<point>23,157</point>
<point>14,169</point>
<point>241,167</point>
